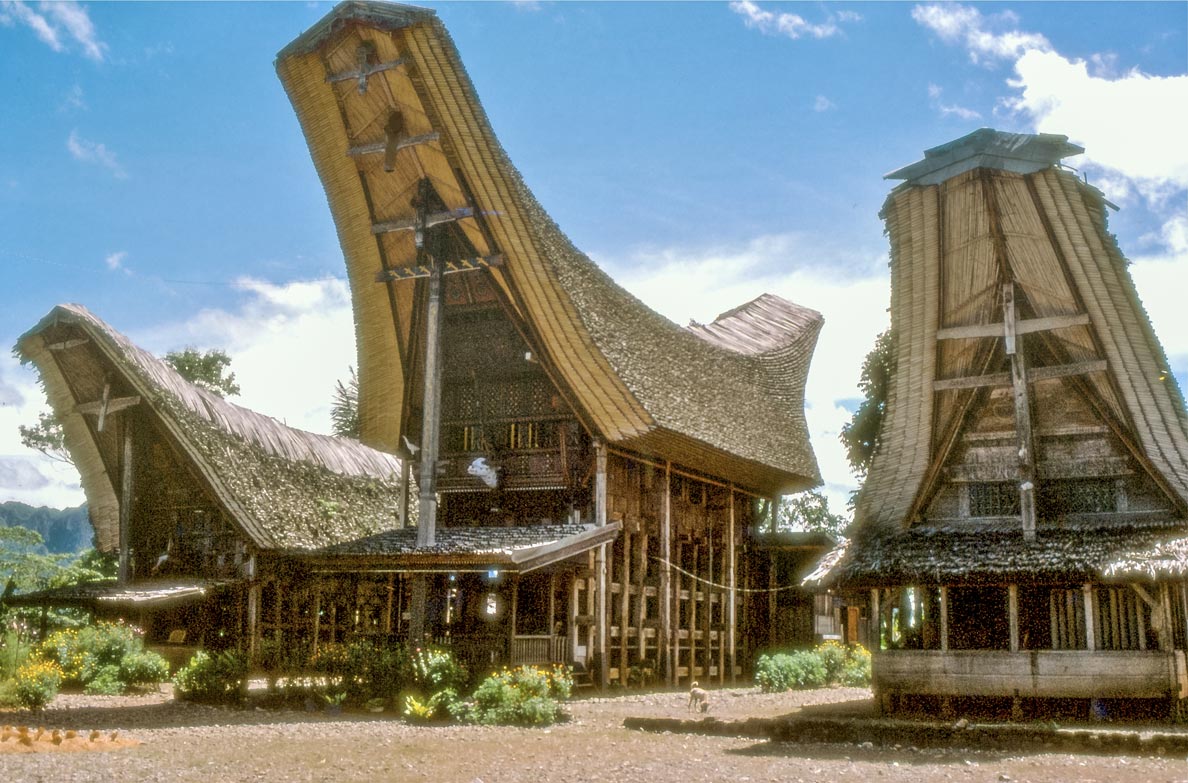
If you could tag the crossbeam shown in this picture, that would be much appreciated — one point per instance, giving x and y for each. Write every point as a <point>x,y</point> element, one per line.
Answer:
<point>362,74</point>
<point>1033,375</point>
<point>1028,326</point>
<point>395,273</point>
<point>66,344</point>
<point>413,223</point>
<point>381,147</point>
<point>109,406</point>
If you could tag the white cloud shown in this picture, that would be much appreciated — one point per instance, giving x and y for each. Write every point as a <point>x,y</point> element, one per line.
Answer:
<point>53,21</point>
<point>94,152</point>
<point>823,104</point>
<point>699,284</point>
<point>288,344</point>
<point>115,262</point>
<point>954,23</point>
<point>788,24</point>
<point>1133,125</point>
<point>936,91</point>
<point>73,101</point>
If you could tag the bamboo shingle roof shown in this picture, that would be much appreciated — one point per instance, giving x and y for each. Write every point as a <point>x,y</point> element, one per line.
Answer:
<point>980,212</point>
<point>285,488</point>
<point>944,274</point>
<point>726,398</point>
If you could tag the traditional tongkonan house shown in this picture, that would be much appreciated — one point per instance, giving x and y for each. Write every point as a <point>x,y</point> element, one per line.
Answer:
<point>1021,533</point>
<point>524,386</point>
<point>589,475</point>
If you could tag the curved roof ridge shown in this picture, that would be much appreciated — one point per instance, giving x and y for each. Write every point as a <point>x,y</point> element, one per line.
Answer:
<point>766,323</point>
<point>343,456</point>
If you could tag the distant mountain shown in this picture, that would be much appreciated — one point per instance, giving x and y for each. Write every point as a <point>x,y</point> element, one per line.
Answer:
<point>64,530</point>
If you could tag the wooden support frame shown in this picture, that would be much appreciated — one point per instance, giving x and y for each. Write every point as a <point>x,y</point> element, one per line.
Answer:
<point>1014,349</point>
<point>732,607</point>
<point>666,640</point>
<point>601,563</point>
<point>875,642</point>
<point>420,223</point>
<point>396,273</point>
<point>1088,606</point>
<point>125,533</point>
<point>384,147</point>
<point>944,618</point>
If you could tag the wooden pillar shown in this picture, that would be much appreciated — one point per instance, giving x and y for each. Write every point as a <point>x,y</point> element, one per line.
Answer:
<point>601,566</point>
<point>1014,349</point>
<point>624,605</point>
<point>1090,620</point>
<point>552,605</point>
<point>707,608</point>
<point>665,640</point>
<point>387,626</point>
<point>511,631</point>
<point>731,575</point>
<point>317,612</point>
<point>1166,642</point>
<point>126,502</point>
<point>574,610</point>
<point>405,481</point>
<point>641,598</point>
<point>253,612</point>
<point>944,618</point>
<point>1013,616</point>
<point>875,642</point>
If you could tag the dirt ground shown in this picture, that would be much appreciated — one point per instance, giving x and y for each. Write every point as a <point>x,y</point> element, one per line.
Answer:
<point>183,742</point>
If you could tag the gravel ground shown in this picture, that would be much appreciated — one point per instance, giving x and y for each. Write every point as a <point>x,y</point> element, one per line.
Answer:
<point>183,742</point>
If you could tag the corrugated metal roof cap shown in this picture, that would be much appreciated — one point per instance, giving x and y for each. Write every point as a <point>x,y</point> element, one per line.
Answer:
<point>1022,153</point>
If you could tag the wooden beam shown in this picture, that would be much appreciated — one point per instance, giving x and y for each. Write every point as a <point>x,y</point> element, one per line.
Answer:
<point>601,565</point>
<point>1087,594</point>
<point>1026,326</point>
<point>416,222</point>
<point>364,72</point>
<point>395,273</point>
<point>96,407</point>
<point>385,147</point>
<point>103,405</point>
<point>731,617</point>
<point>1033,375</point>
<point>66,344</point>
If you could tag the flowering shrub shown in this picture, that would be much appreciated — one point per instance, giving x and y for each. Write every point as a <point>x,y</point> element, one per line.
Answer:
<point>37,683</point>
<point>436,678</point>
<point>524,696</point>
<point>218,678</point>
<point>830,663</point>
<point>104,658</point>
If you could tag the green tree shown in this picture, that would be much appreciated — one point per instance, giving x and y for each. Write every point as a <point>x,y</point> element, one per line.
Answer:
<point>344,408</point>
<point>25,566</point>
<point>809,511</point>
<point>47,437</point>
<point>209,370</point>
<point>861,435</point>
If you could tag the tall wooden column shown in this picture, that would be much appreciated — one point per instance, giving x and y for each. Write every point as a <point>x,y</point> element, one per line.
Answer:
<point>1013,344</point>
<point>601,565</point>
<point>430,419</point>
<point>125,502</point>
<point>666,579</point>
<point>731,609</point>
<point>1013,617</point>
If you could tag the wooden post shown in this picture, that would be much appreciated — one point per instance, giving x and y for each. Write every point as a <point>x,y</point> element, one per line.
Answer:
<point>1014,348</point>
<point>574,610</point>
<point>603,586</point>
<point>624,605</point>
<point>515,601</point>
<point>126,503</point>
<point>405,480</point>
<point>317,612</point>
<point>876,622</point>
<point>641,597</point>
<point>1013,615</point>
<point>1090,620</point>
<point>253,612</point>
<point>944,617</point>
<point>665,640</point>
<point>731,617</point>
<point>387,624</point>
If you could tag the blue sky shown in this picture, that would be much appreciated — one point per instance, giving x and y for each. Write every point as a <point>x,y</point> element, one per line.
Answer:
<point>151,167</point>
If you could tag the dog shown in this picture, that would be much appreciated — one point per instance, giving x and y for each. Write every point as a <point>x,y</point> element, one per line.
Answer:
<point>699,700</point>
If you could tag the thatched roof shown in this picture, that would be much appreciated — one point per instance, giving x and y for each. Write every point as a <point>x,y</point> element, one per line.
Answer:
<point>995,553</point>
<point>948,241</point>
<point>284,487</point>
<point>520,548</point>
<point>728,399</point>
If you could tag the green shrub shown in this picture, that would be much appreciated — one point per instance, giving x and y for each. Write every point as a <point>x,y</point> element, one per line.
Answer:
<point>111,652</point>
<point>14,649</point>
<point>37,683</point>
<point>524,696</point>
<point>830,663</point>
<point>856,672</point>
<point>213,679</point>
<point>435,670</point>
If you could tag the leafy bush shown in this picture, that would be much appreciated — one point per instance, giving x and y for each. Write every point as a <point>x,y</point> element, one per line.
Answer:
<point>435,678</point>
<point>37,683</point>
<point>856,672</point>
<point>15,647</point>
<point>830,663</point>
<point>112,653</point>
<point>524,696</point>
<point>213,679</point>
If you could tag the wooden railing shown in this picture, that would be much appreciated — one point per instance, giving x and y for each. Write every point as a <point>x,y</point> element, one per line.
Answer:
<point>541,649</point>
